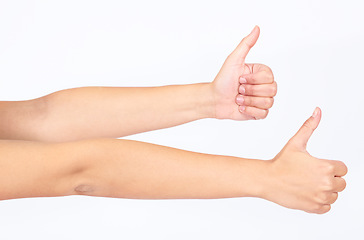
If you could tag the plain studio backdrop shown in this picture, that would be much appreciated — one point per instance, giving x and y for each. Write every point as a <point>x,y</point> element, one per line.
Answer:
<point>315,49</point>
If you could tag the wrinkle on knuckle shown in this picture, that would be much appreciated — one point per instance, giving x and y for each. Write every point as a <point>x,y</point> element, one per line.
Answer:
<point>307,124</point>
<point>252,80</point>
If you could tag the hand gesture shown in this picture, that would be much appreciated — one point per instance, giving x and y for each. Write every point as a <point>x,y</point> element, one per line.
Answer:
<point>301,181</point>
<point>243,91</point>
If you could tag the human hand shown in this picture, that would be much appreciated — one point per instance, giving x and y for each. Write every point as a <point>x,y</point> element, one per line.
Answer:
<point>301,181</point>
<point>243,91</point>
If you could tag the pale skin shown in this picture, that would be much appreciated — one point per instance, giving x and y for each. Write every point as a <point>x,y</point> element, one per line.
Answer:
<point>92,112</point>
<point>61,144</point>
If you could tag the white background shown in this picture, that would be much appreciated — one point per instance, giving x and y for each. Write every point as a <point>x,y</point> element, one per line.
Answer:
<point>315,49</point>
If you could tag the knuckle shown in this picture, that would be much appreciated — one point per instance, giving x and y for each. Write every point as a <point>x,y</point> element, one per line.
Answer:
<point>316,207</point>
<point>325,198</point>
<point>269,102</point>
<point>330,168</point>
<point>324,209</point>
<point>274,88</point>
<point>329,183</point>
<point>327,167</point>
<point>247,101</point>
<point>320,208</point>
<point>268,69</point>
<point>269,75</point>
<point>327,208</point>
<point>320,197</point>
<point>252,80</point>
<point>336,196</point>
<point>266,102</point>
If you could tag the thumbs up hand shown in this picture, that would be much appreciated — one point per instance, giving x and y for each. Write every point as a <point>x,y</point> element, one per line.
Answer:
<point>243,91</point>
<point>301,181</point>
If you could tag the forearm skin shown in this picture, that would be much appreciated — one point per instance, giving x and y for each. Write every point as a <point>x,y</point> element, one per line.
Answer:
<point>100,112</point>
<point>124,169</point>
<point>137,170</point>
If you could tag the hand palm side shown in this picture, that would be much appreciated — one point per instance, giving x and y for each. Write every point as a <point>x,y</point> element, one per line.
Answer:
<point>227,84</point>
<point>260,87</point>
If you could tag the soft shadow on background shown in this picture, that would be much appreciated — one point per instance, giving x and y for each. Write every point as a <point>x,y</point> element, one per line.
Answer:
<point>315,49</point>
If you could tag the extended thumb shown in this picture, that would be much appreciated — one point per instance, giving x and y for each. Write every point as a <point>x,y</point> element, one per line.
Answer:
<point>301,138</point>
<point>246,44</point>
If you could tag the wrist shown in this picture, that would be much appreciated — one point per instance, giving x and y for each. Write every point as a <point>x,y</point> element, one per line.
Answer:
<point>205,105</point>
<point>261,178</point>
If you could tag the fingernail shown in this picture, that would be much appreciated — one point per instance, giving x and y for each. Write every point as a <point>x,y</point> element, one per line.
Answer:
<point>241,109</point>
<point>242,80</point>
<point>314,114</point>
<point>240,99</point>
<point>242,89</point>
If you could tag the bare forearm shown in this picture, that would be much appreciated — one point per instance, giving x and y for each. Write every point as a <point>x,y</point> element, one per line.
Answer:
<point>123,169</point>
<point>92,112</point>
<point>36,169</point>
<point>131,169</point>
<point>22,120</point>
<point>240,91</point>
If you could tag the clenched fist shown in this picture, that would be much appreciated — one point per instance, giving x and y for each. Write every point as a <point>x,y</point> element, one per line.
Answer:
<point>301,181</point>
<point>243,91</point>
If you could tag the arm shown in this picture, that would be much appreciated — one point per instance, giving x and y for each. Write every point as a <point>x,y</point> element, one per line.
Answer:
<point>36,169</point>
<point>293,179</point>
<point>122,168</point>
<point>93,112</point>
<point>130,169</point>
